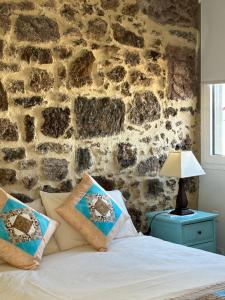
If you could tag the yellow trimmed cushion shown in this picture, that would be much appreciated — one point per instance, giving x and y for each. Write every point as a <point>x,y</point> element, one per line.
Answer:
<point>24,232</point>
<point>93,212</point>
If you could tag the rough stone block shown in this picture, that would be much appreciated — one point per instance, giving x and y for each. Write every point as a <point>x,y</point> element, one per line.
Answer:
<point>117,74</point>
<point>154,187</point>
<point>98,117</point>
<point>64,187</point>
<point>178,13</point>
<point>56,121</point>
<point>40,55</point>
<point>126,155</point>
<point>107,184</point>
<point>97,28</point>
<point>29,182</point>
<point>126,37</point>
<point>8,130</point>
<point>22,197</point>
<point>83,159</point>
<point>11,67</point>
<point>27,102</point>
<point>15,86</point>
<point>145,108</point>
<point>7,176</point>
<point>36,29</point>
<point>45,148</point>
<point>149,167</point>
<point>110,4</point>
<point>12,154</point>
<point>182,73</point>
<point>132,58</point>
<point>29,128</point>
<point>1,48</point>
<point>3,98</point>
<point>80,69</point>
<point>40,80</point>
<point>55,169</point>
<point>29,164</point>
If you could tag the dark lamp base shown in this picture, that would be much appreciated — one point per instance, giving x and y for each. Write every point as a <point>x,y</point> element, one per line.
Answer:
<point>182,212</point>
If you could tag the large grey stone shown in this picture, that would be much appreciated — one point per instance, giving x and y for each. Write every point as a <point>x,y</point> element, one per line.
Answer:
<point>40,80</point>
<point>29,182</point>
<point>36,54</point>
<point>47,147</point>
<point>145,108</point>
<point>27,102</point>
<point>117,74</point>
<point>83,159</point>
<point>178,13</point>
<point>149,167</point>
<point>98,117</point>
<point>126,37</point>
<point>64,187</point>
<point>97,28</point>
<point>55,169</point>
<point>12,154</point>
<point>3,98</point>
<point>126,155</point>
<point>80,69</point>
<point>15,86</point>
<point>8,130</point>
<point>7,176</point>
<point>29,128</point>
<point>36,29</point>
<point>182,73</point>
<point>28,164</point>
<point>154,187</point>
<point>1,48</point>
<point>110,4</point>
<point>106,183</point>
<point>56,121</point>
<point>22,197</point>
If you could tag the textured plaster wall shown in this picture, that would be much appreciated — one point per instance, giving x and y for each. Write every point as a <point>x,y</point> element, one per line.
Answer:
<point>103,86</point>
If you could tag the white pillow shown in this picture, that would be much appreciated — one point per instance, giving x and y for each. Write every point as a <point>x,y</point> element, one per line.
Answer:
<point>128,228</point>
<point>66,236</point>
<point>52,246</point>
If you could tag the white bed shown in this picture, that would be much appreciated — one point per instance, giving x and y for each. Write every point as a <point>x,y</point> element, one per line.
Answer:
<point>134,268</point>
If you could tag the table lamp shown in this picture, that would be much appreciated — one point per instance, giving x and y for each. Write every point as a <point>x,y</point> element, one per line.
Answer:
<point>181,164</point>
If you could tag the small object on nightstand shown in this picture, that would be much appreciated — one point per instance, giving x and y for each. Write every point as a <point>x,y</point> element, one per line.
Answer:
<point>197,230</point>
<point>181,164</point>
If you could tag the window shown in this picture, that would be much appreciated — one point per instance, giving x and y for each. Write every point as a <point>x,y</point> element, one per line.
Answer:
<point>213,125</point>
<point>218,119</point>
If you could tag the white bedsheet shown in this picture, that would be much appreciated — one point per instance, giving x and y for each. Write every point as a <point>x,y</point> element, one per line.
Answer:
<point>137,268</point>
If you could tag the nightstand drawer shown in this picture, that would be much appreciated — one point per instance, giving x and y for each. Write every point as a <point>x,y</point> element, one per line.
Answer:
<point>210,246</point>
<point>197,233</point>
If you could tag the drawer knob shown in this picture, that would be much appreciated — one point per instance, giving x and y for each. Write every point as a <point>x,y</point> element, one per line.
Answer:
<point>199,232</point>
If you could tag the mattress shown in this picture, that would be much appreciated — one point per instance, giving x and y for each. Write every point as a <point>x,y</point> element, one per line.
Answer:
<point>133,268</point>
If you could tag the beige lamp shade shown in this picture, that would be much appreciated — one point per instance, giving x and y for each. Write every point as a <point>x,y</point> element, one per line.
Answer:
<point>181,164</point>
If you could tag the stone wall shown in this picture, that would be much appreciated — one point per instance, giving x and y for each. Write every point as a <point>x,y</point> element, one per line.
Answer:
<point>104,86</point>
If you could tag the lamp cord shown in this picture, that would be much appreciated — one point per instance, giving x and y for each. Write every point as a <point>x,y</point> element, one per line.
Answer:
<point>152,219</point>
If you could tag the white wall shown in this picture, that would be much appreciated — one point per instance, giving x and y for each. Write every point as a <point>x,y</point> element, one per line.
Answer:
<point>212,185</point>
<point>212,198</point>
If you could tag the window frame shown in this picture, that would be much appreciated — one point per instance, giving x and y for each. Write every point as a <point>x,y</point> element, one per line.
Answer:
<point>208,160</point>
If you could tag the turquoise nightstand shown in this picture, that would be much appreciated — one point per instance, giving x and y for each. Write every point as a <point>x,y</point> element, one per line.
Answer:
<point>197,230</point>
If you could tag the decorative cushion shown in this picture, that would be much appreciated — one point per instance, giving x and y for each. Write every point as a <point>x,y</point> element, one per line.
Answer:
<point>93,212</point>
<point>66,236</point>
<point>24,232</point>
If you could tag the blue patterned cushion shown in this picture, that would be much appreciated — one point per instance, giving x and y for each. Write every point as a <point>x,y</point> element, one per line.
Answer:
<point>92,211</point>
<point>24,232</point>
